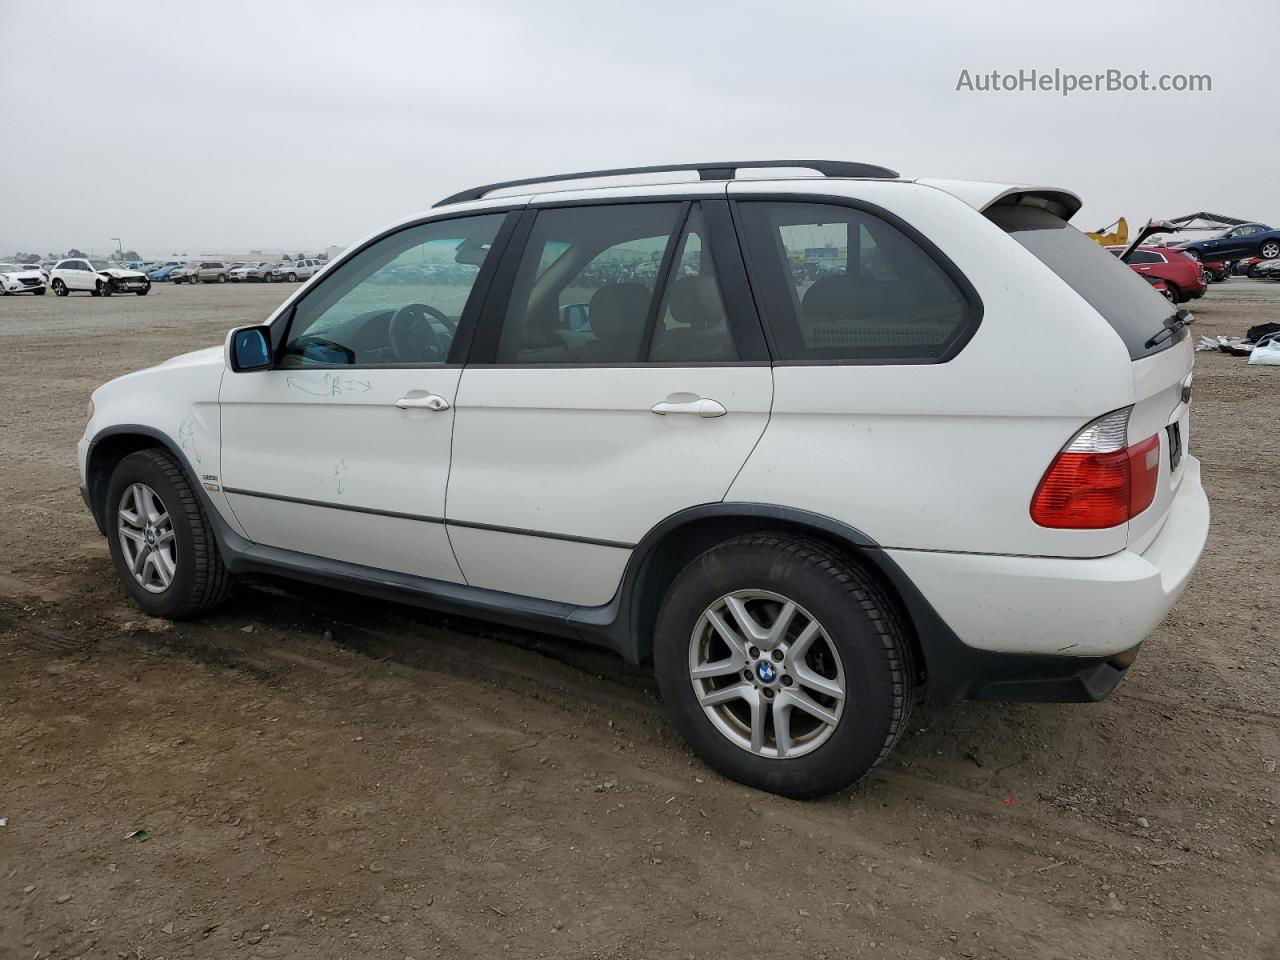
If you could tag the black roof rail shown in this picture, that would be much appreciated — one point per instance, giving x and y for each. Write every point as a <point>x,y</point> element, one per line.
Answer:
<point>726,170</point>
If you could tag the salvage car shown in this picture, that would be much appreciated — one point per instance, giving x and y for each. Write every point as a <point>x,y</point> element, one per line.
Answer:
<point>164,271</point>
<point>1182,274</point>
<point>809,500</point>
<point>295,270</point>
<point>240,272</point>
<point>22,278</point>
<point>101,278</point>
<point>1246,240</point>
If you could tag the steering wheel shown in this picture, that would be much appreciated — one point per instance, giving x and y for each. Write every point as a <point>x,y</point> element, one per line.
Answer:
<point>413,338</point>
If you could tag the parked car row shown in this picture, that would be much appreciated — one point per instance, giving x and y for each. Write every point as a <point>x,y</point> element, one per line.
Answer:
<point>221,271</point>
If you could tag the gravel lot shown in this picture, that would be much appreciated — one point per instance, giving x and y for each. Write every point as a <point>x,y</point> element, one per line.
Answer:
<point>327,776</point>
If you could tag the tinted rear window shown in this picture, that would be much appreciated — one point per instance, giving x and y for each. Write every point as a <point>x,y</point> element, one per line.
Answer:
<point>1126,301</point>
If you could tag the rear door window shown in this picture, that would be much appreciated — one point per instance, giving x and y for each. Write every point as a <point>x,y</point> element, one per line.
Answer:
<point>1128,303</point>
<point>839,283</point>
<point>585,286</point>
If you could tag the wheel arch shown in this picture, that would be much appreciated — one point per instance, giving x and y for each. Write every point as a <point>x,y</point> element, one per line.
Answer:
<point>674,542</point>
<point>111,445</point>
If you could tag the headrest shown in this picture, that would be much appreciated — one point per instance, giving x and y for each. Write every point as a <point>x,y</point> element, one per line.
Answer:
<point>618,311</point>
<point>696,301</point>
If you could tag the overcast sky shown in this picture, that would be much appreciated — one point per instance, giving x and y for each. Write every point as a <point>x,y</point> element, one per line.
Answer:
<point>224,126</point>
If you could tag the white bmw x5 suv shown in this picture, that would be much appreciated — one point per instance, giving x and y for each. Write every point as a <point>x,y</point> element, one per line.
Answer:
<point>816,446</point>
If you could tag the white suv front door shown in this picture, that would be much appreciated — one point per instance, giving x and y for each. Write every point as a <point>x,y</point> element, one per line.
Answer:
<point>341,449</point>
<point>617,378</point>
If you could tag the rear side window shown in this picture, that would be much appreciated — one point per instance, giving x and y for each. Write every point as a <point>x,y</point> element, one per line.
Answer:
<point>593,286</point>
<point>1130,305</point>
<point>839,283</point>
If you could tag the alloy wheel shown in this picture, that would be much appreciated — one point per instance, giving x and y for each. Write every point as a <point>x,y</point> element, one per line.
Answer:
<point>766,674</point>
<point>1270,250</point>
<point>147,538</point>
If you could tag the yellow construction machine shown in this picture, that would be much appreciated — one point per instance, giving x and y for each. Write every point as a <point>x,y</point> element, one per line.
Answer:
<point>1117,237</point>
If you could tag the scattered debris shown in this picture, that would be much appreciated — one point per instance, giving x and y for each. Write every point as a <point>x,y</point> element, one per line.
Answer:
<point>1143,822</point>
<point>1009,801</point>
<point>248,629</point>
<point>140,835</point>
<point>1267,354</point>
<point>167,928</point>
<point>4,821</point>
<point>62,898</point>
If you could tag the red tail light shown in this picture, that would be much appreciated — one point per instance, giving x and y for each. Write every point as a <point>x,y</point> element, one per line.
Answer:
<point>1096,481</point>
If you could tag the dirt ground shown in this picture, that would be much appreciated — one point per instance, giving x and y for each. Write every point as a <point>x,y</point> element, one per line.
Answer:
<point>320,775</point>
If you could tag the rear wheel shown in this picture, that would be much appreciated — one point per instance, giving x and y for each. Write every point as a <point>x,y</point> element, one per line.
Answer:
<point>1193,254</point>
<point>1174,293</point>
<point>222,278</point>
<point>161,542</point>
<point>784,664</point>
<point>1269,250</point>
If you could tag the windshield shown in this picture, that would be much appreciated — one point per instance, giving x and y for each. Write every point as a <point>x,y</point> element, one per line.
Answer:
<point>11,268</point>
<point>104,265</point>
<point>1132,307</point>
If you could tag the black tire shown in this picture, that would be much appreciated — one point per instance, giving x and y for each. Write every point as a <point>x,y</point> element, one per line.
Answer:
<point>222,278</point>
<point>59,288</point>
<point>105,289</point>
<point>864,627</point>
<point>293,278</point>
<point>143,292</point>
<point>1174,293</point>
<point>39,291</point>
<point>200,579</point>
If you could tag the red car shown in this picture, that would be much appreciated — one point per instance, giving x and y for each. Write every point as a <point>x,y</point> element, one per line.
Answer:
<point>1218,270</point>
<point>1180,273</point>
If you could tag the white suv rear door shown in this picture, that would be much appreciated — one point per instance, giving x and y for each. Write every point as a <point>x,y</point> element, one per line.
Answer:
<point>619,376</point>
<point>341,449</point>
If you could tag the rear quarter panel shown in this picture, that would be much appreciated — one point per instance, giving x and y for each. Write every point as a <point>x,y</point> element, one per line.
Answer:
<point>947,456</point>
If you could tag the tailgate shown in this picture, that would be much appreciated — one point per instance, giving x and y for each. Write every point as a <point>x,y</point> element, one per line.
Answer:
<point>1162,392</point>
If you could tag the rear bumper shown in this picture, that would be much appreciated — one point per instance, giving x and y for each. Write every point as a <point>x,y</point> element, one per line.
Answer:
<point>1043,628</point>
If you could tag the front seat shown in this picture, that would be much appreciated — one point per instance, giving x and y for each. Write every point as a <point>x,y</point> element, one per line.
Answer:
<point>617,316</point>
<point>695,303</point>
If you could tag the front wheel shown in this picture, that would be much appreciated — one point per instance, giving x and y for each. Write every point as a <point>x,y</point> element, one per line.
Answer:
<point>39,291</point>
<point>293,278</point>
<point>784,664</point>
<point>144,291</point>
<point>161,542</point>
<point>1269,250</point>
<point>60,288</point>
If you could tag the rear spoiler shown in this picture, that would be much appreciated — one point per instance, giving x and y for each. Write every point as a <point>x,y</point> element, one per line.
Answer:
<point>981,196</point>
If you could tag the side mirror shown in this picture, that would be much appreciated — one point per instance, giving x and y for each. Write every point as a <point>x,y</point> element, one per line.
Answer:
<point>249,348</point>
<point>576,316</point>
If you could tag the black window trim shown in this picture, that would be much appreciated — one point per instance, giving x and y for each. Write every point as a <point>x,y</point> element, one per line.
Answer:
<point>731,274</point>
<point>471,312</point>
<point>974,307</point>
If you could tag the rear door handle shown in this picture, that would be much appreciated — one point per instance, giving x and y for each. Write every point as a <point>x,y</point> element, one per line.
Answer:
<point>430,401</point>
<point>701,407</point>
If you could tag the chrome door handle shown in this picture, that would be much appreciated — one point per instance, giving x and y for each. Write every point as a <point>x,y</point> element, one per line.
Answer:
<point>429,402</point>
<point>702,407</point>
